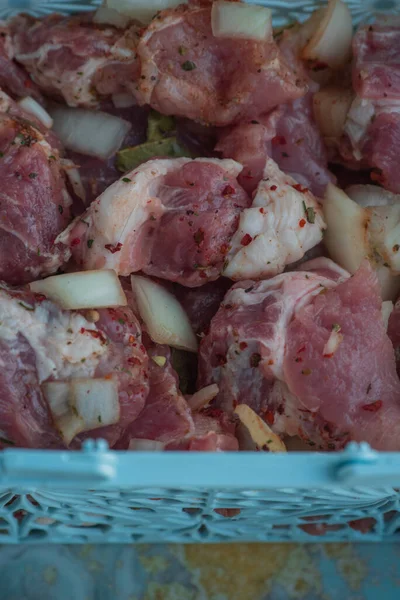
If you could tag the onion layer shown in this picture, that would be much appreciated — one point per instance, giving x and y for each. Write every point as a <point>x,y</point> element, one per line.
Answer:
<point>331,42</point>
<point>34,108</point>
<point>241,20</point>
<point>331,105</point>
<point>165,320</point>
<point>203,397</point>
<point>261,434</point>
<point>83,404</point>
<point>110,16</point>
<point>86,289</point>
<point>90,132</point>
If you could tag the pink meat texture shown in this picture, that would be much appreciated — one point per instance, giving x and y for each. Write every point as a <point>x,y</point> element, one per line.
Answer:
<point>13,78</point>
<point>290,136</point>
<point>39,342</point>
<point>267,347</point>
<point>186,71</point>
<point>170,218</point>
<point>35,204</point>
<point>74,59</point>
<point>375,114</point>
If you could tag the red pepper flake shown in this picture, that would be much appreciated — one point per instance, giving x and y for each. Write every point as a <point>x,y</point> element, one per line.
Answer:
<point>255,360</point>
<point>132,340</point>
<point>299,188</point>
<point>269,417</point>
<point>270,362</point>
<point>199,236</point>
<point>228,190</point>
<point>224,248</point>
<point>133,361</point>
<point>97,335</point>
<point>302,222</point>
<point>243,345</point>
<point>278,139</point>
<point>373,407</point>
<point>262,211</point>
<point>246,240</point>
<point>273,188</point>
<point>113,248</point>
<point>76,241</point>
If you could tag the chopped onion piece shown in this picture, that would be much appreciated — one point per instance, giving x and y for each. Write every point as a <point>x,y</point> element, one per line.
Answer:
<point>387,308</point>
<point>333,343</point>
<point>159,360</point>
<point>331,105</point>
<point>203,397</point>
<point>165,320</point>
<point>72,172</point>
<point>331,42</point>
<point>241,20</point>
<point>110,16</point>
<point>372,195</point>
<point>142,10</point>
<point>262,435</point>
<point>346,234</point>
<point>86,289</point>
<point>90,132</point>
<point>123,100</point>
<point>390,284</point>
<point>96,401</point>
<point>34,108</point>
<point>80,405</point>
<point>146,445</point>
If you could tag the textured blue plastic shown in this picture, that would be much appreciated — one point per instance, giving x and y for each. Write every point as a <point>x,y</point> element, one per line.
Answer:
<point>98,495</point>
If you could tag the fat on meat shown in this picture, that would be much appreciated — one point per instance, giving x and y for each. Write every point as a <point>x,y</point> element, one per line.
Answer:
<point>188,72</point>
<point>170,218</point>
<point>290,136</point>
<point>283,223</point>
<point>75,59</point>
<point>309,354</point>
<point>39,342</point>
<point>34,201</point>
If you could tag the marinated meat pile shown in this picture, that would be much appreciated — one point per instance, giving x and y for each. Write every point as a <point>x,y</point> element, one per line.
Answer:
<point>200,230</point>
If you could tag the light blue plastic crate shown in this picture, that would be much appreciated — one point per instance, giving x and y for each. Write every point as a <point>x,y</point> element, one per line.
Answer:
<point>98,495</point>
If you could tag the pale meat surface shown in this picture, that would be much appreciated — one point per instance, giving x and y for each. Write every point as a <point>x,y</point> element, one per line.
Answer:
<point>186,71</point>
<point>75,59</point>
<point>171,218</point>
<point>39,342</point>
<point>283,223</point>
<point>34,201</point>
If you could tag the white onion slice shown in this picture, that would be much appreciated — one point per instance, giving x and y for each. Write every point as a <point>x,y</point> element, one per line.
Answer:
<point>390,284</point>
<point>262,435</point>
<point>123,100</point>
<point>331,105</point>
<point>387,308</point>
<point>240,20</point>
<point>85,289</point>
<point>83,404</point>
<point>110,16</point>
<point>146,445</point>
<point>74,176</point>
<point>90,132</point>
<point>346,235</point>
<point>142,10</point>
<point>203,397</point>
<point>165,320</point>
<point>331,42</point>
<point>372,195</point>
<point>32,107</point>
<point>334,341</point>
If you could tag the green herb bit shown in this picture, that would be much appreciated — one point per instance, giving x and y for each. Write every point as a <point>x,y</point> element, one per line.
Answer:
<point>159,126</point>
<point>188,65</point>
